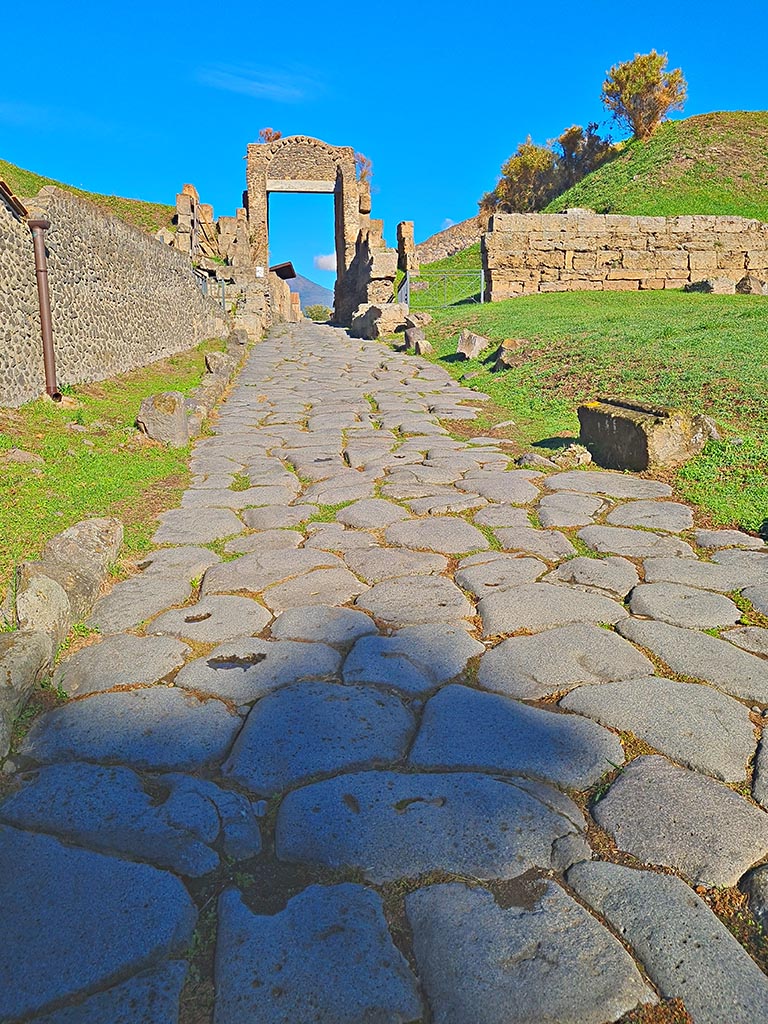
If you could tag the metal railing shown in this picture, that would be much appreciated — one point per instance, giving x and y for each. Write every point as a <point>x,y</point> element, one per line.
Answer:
<point>437,290</point>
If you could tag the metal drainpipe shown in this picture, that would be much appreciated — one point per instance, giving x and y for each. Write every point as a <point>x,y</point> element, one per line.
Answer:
<point>38,229</point>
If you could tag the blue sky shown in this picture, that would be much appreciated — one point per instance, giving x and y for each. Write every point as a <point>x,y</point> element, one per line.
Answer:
<point>139,99</point>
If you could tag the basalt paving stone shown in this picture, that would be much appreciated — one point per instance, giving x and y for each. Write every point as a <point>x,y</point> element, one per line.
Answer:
<point>321,586</point>
<point>670,516</point>
<point>268,540</point>
<point>531,667</point>
<point>622,540</point>
<point>137,599</point>
<point>262,569</point>
<point>371,514</point>
<point>377,564</point>
<point>337,491</point>
<point>700,656</point>
<point>108,809</point>
<point>693,724</point>
<point>548,543</point>
<point>334,537</point>
<point>197,526</point>
<point>498,573</point>
<point>214,619</point>
<point>327,957</point>
<point>750,638</point>
<point>512,486</point>
<point>415,659</point>
<point>306,729</point>
<point>704,575</point>
<point>183,561</point>
<point>439,504</point>
<point>109,917</point>
<point>120,660</point>
<point>426,474</point>
<point>613,575</point>
<point>537,606</point>
<point>545,959</point>
<point>758,596</point>
<point>410,491</point>
<point>688,953</point>
<point>244,670</point>
<point>676,818</point>
<point>614,485</point>
<point>755,885</point>
<point>502,515</point>
<point>727,539</point>
<point>272,517</point>
<point>205,498</point>
<point>445,534</point>
<point>564,508</point>
<point>336,626</point>
<point>752,561</point>
<point>213,482</point>
<point>412,600</point>
<point>390,825</point>
<point>760,781</point>
<point>149,998</point>
<point>464,728</point>
<point>683,606</point>
<point>161,728</point>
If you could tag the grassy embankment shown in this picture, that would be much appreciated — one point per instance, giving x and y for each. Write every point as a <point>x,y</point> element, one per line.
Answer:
<point>94,461</point>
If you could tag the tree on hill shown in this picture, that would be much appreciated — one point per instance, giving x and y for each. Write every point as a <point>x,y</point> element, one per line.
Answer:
<point>641,92</point>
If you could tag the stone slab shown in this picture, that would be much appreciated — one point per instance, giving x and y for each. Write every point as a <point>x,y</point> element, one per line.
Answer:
<point>758,596</point>
<point>335,586</point>
<point>188,561</point>
<point>749,638</point>
<point>197,526</point>
<point>537,606</point>
<point>683,606</point>
<point>465,728</point>
<point>372,514</point>
<point>621,540</point>
<point>512,487</point>
<point>389,825</point>
<point>502,515</point>
<point>138,599</point>
<point>613,576</point>
<point>412,600</point>
<point>338,627</point>
<point>564,508</point>
<point>727,539</point>
<point>377,564</point>
<point>704,575</point>
<point>271,517</point>
<point>444,534</point>
<point>669,516</point>
<point>614,485</point>
<point>213,619</point>
<point>254,573</point>
<point>119,660</point>
<point>266,540</point>
<point>548,544</point>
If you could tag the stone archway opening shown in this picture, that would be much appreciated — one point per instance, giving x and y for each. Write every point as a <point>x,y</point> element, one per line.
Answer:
<point>301,230</point>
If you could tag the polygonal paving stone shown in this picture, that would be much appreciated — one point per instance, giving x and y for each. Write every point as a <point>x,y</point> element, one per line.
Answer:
<point>670,816</point>
<point>214,619</point>
<point>750,638</point>
<point>336,626</point>
<point>372,514</point>
<point>760,780</point>
<point>187,561</point>
<point>411,600</point>
<point>754,562</point>
<point>160,727</point>
<point>704,575</point>
<point>444,534</point>
<point>758,596</point>
<point>548,543</point>
<point>450,500</point>
<point>564,508</point>
<point>322,586</point>
<point>615,485</point>
<point>464,728</point>
<point>136,599</point>
<point>727,539</point>
<point>537,606</point>
<point>670,516</point>
<point>621,540</point>
<point>502,515</point>
<point>334,537</point>
<point>693,724</point>
<point>205,498</point>
<point>537,666</point>
<point>327,957</point>
<point>310,728</point>
<point>266,540</point>
<point>107,809</point>
<point>120,660</point>
<point>377,564</point>
<point>688,953</point>
<point>697,655</point>
<point>244,670</point>
<point>545,959</point>
<point>109,917</point>
<point>349,486</point>
<point>390,825</point>
<point>152,996</point>
<point>513,487</point>
<point>613,575</point>
<point>683,606</point>
<point>197,526</point>
<point>254,573</point>
<point>415,659</point>
<point>271,517</point>
<point>494,571</point>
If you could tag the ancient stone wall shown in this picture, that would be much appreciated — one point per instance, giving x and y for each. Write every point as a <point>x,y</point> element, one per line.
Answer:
<point>119,299</point>
<point>526,253</point>
<point>282,307</point>
<point>452,240</point>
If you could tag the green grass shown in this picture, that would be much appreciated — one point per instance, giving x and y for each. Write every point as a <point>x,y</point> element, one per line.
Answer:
<point>703,352</point>
<point>710,164</point>
<point>107,468</point>
<point>149,217</point>
<point>429,288</point>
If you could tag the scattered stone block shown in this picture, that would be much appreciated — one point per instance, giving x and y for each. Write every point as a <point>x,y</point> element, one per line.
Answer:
<point>472,345</point>
<point>413,335</point>
<point>418,319</point>
<point>751,285</point>
<point>636,436</point>
<point>163,417</point>
<point>712,286</point>
<point>422,347</point>
<point>511,352</point>
<point>24,660</point>
<point>374,320</point>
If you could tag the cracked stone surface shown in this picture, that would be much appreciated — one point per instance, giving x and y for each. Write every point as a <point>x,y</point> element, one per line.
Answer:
<point>391,670</point>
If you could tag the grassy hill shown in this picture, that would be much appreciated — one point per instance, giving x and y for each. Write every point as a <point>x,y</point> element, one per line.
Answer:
<point>149,217</point>
<point>709,164</point>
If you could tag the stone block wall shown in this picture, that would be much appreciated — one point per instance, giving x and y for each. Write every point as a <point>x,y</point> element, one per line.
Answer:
<point>452,240</point>
<point>527,253</point>
<point>119,299</point>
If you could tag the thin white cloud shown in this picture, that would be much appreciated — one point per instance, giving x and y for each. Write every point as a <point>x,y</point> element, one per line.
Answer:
<point>280,86</point>
<point>326,262</point>
<point>447,223</point>
<point>23,114</point>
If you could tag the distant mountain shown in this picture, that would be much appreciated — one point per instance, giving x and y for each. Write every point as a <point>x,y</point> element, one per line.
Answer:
<point>311,294</point>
